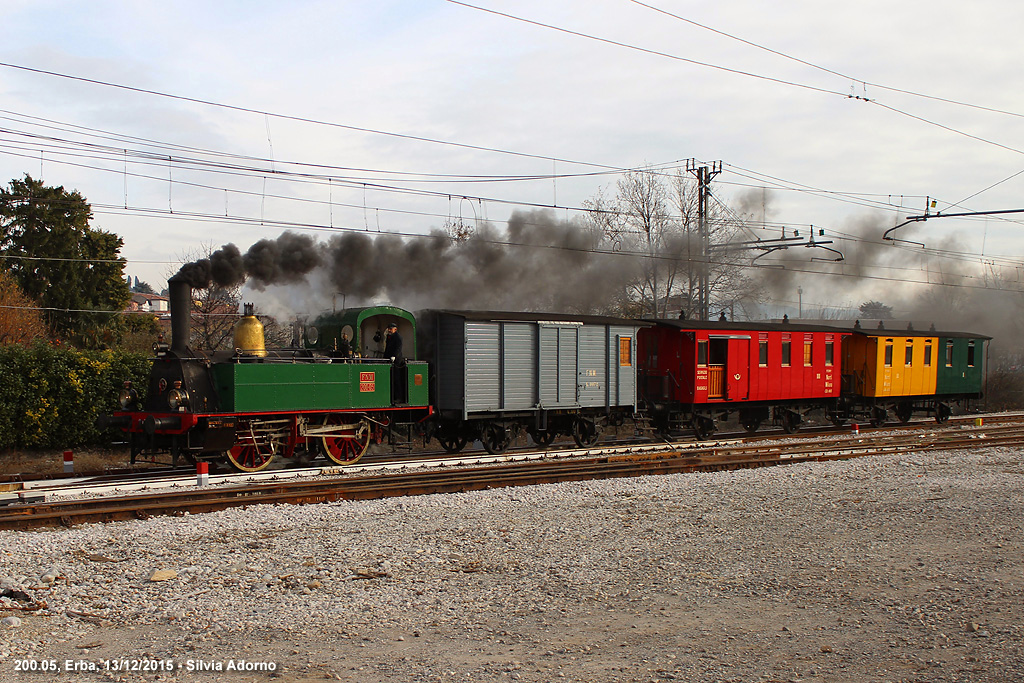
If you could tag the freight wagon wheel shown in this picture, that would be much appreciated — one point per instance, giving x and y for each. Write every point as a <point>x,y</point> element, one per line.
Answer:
<point>585,432</point>
<point>250,457</point>
<point>453,443</point>
<point>904,411</point>
<point>542,438</point>
<point>495,438</point>
<point>348,444</point>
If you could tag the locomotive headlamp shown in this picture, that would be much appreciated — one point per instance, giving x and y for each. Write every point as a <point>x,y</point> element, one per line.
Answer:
<point>160,347</point>
<point>128,396</point>
<point>177,398</point>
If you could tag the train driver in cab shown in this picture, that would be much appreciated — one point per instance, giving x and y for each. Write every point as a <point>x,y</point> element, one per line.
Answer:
<point>393,345</point>
<point>399,378</point>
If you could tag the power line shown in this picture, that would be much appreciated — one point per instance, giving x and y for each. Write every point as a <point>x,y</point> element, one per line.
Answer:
<point>656,53</point>
<point>738,72</point>
<point>826,69</point>
<point>322,169</point>
<point>302,119</point>
<point>220,167</point>
<point>110,209</point>
<point>203,165</point>
<point>965,134</point>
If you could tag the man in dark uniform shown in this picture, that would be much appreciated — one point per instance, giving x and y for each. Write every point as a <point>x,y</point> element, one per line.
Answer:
<point>344,347</point>
<point>393,345</point>
<point>393,350</point>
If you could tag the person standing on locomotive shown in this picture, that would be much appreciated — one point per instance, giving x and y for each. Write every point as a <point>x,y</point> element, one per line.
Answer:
<point>344,349</point>
<point>399,368</point>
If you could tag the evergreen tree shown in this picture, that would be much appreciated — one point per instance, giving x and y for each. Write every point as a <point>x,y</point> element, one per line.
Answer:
<point>59,261</point>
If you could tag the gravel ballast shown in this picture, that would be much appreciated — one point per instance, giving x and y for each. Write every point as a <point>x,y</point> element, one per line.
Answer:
<point>895,568</point>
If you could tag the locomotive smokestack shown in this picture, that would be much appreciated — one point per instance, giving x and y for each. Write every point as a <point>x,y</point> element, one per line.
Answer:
<point>179,294</point>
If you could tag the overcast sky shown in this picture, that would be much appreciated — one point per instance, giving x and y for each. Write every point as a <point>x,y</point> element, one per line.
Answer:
<point>298,81</point>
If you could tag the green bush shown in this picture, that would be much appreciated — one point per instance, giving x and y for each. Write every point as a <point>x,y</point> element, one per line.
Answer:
<point>50,397</point>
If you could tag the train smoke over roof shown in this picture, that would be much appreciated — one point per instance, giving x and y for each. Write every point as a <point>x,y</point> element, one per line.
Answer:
<point>952,294</point>
<point>535,263</point>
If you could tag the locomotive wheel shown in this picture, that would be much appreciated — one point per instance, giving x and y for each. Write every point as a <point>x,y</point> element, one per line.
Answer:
<point>249,457</point>
<point>585,432</point>
<point>904,411</point>
<point>347,446</point>
<point>495,438</point>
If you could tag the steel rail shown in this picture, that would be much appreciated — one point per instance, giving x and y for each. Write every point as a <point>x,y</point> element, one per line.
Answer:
<point>467,478</point>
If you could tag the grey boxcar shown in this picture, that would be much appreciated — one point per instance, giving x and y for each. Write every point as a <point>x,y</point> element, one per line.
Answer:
<point>494,374</point>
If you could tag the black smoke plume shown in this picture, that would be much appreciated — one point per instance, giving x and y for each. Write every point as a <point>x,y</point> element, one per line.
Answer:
<point>536,263</point>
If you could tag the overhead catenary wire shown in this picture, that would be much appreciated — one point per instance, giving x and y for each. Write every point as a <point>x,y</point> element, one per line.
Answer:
<point>243,171</point>
<point>303,119</point>
<point>169,160</point>
<point>984,285</point>
<point>740,72</point>
<point>111,209</point>
<point>854,79</point>
<point>498,150</point>
<point>855,198</point>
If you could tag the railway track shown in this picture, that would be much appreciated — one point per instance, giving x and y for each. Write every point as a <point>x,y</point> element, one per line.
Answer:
<point>469,472</point>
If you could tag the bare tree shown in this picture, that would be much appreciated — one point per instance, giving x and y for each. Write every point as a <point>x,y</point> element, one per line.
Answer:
<point>214,314</point>
<point>656,216</point>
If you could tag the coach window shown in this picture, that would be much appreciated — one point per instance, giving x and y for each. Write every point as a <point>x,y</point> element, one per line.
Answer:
<point>762,353</point>
<point>970,354</point>
<point>786,353</point>
<point>808,353</point>
<point>702,353</point>
<point>949,354</point>
<point>909,359</point>
<point>829,352</point>
<point>888,353</point>
<point>928,353</point>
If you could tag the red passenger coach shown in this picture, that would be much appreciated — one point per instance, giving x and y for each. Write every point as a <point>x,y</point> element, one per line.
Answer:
<point>693,371</point>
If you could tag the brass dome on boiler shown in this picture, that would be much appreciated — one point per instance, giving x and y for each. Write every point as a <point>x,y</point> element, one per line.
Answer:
<point>248,337</point>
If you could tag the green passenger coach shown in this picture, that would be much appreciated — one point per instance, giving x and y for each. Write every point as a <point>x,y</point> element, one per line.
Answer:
<point>961,367</point>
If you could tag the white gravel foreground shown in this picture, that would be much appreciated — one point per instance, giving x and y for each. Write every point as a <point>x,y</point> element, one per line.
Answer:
<point>901,568</point>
